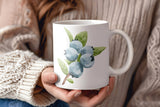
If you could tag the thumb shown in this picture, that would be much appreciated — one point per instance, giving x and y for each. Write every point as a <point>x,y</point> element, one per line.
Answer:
<point>48,76</point>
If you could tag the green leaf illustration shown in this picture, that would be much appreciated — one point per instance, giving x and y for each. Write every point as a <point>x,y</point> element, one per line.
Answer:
<point>70,80</point>
<point>69,34</point>
<point>68,62</point>
<point>98,50</point>
<point>63,66</point>
<point>82,37</point>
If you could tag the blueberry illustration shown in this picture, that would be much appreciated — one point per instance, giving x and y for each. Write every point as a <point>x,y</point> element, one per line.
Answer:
<point>76,45</point>
<point>75,69</point>
<point>87,60</point>
<point>71,54</point>
<point>87,50</point>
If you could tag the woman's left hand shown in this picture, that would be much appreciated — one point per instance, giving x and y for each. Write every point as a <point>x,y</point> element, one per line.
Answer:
<point>92,98</point>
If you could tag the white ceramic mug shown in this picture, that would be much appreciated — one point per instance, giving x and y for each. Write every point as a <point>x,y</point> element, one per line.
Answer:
<point>81,54</point>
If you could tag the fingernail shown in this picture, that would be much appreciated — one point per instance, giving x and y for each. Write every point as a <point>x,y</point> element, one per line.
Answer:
<point>77,94</point>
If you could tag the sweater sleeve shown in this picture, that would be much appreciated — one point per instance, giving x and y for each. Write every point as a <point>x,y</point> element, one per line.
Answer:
<point>20,68</point>
<point>147,79</point>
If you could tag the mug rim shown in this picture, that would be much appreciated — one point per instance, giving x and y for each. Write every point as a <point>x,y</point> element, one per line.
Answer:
<point>80,22</point>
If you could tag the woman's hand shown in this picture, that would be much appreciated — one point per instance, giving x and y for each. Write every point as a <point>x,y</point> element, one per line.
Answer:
<point>48,79</point>
<point>93,98</point>
<point>87,98</point>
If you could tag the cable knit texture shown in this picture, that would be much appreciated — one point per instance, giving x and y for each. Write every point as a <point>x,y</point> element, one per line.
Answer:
<point>20,68</point>
<point>19,72</point>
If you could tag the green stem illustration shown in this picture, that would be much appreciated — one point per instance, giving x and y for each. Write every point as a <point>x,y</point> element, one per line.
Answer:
<point>65,79</point>
<point>78,59</point>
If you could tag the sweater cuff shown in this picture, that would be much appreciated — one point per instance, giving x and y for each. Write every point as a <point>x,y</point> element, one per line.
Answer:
<point>26,88</point>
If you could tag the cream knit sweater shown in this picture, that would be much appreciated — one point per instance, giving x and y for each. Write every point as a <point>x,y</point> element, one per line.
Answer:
<point>140,19</point>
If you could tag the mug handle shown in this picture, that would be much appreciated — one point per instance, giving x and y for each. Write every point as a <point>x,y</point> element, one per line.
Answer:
<point>128,63</point>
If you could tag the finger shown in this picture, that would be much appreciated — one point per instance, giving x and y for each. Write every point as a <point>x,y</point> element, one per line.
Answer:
<point>82,101</point>
<point>103,93</point>
<point>63,94</point>
<point>49,77</point>
<point>91,102</point>
<point>111,84</point>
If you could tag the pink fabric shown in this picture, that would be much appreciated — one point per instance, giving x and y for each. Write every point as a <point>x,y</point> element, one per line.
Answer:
<point>8,7</point>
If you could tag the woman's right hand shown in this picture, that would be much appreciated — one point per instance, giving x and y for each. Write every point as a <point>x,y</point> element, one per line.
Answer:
<point>48,79</point>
